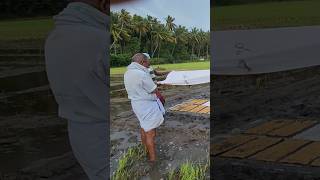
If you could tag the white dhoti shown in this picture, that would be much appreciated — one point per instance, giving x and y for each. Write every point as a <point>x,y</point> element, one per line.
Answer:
<point>148,113</point>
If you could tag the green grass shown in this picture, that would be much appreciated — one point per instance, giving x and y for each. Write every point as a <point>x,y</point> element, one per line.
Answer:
<point>25,29</point>
<point>130,168</point>
<point>171,175</point>
<point>189,171</point>
<point>265,15</point>
<point>127,161</point>
<point>179,66</point>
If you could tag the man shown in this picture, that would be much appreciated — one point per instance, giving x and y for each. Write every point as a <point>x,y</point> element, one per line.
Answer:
<point>76,54</point>
<point>144,96</point>
<point>154,73</point>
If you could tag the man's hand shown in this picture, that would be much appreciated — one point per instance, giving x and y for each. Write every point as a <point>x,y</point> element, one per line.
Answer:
<point>161,98</point>
<point>164,73</point>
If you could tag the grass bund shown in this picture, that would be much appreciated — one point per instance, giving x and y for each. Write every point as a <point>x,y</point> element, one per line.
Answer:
<point>189,171</point>
<point>201,65</point>
<point>126,166</point>
<point>37,28</point>
<point>130,163</point>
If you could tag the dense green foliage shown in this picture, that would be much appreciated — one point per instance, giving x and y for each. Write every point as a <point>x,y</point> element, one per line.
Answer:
<point>165,42</point>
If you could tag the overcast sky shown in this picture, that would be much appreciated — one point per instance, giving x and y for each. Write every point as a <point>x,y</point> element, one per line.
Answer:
<point>189,13</point>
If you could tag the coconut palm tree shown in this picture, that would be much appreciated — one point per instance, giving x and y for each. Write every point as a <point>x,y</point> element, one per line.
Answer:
<point>118,34</point>
<point>115,33</point>
<point>160,33</point>
<point>140,27</point>
<point>180,36</point>
<point>207,43</point>
<point>124,18</point>
<point>193,40</point>
<point>170,25</point>
<point>150,24</point>
<point>201,42</point>
<point>128,32</point>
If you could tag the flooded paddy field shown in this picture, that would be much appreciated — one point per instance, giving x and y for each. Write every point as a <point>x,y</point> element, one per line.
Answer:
<point>33,140</point>
<point>182,137</point>
<point>245,102</point>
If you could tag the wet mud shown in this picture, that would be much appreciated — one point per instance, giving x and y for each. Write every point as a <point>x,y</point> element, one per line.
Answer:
<point>33,139</point>
<point>182,137</point>
<point>244,101</point>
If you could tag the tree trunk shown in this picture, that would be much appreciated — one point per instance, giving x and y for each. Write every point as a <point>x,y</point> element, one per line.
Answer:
<point>207,51</point>
<point>154,51</point>
<point>151,44</point>
<point>192,51</point>
<point>140,41</point>
<point>159,50</point>
<point>174,46</point>
<point>115,51</point>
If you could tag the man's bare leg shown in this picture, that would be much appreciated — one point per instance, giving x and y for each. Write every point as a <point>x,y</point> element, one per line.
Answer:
<point>143,139</point>
<point>150,135</point>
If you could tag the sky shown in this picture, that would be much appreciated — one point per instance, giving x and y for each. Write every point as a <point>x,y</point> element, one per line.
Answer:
<point>189,13</point>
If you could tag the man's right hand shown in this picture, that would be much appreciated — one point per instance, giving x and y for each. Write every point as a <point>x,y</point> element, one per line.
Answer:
<point>161,98</point>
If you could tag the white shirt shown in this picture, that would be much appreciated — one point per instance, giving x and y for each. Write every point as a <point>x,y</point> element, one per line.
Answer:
<point>138,83</point>
<point>145,104</point>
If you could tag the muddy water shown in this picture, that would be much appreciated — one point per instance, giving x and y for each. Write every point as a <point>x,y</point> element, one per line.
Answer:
<point>240,100</point>
<point>23,81</point>
<point>30,131</point>
<point>29,145</point>
<point>245,101</point>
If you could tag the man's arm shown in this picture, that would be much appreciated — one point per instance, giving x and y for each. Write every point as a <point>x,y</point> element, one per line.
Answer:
<point>163,73</point>
<point>151,88</point>
<point>148,84</point>
<point>155,91</point>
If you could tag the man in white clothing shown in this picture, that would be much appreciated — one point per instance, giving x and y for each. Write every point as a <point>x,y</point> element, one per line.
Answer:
<point>144,96</point>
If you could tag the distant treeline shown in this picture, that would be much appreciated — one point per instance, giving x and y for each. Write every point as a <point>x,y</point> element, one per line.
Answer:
<point>166,42</point>
<point>30,8</point>
<point>237,2</point>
